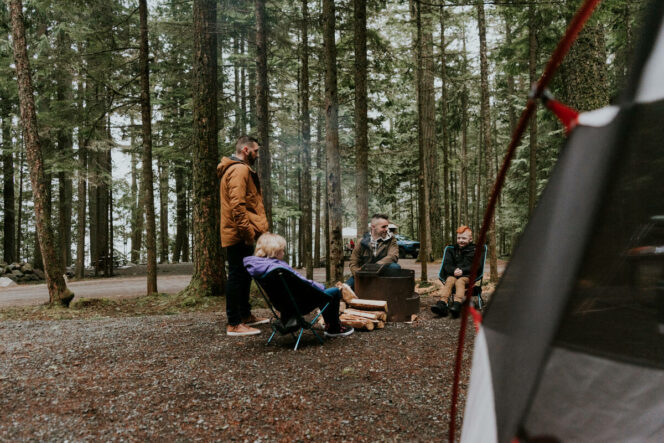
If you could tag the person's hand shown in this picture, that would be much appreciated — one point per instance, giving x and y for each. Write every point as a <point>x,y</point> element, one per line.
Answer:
<point>458,272</point>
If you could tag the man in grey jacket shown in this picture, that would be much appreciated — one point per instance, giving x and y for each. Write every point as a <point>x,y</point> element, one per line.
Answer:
<point>377,246</point>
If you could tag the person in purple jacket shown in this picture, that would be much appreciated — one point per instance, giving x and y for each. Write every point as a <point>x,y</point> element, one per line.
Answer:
<point>269,255</point>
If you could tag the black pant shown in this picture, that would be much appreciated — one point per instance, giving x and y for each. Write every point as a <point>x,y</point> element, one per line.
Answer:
<point>238,284</point>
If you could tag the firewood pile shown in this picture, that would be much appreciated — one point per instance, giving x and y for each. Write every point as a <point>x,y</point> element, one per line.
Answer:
<point>361,314</point>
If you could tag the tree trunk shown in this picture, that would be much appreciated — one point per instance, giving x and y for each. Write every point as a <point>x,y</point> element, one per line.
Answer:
<point>19,217</point>
<point>65,144</point>
<point>319,178</point>
<point>306,148</point>
<point>361,125</point>
<point>57,288</point>
<point>422,134</point>
<point>82,186</point>
<point>136,206</point>
<point>435,231</point>
<point>243,90</point>
<point>335,243</point>
<point>584,71</point>
<point>163,211</point>
<point>510,77</point>
<point>9,225</point>
<point>532,76</point>
<point>486,132</point>
<point>180,214</point>
<point>146,125</point>
<point>446,226</point>
<point>209,274</point>
<point>262,112</point>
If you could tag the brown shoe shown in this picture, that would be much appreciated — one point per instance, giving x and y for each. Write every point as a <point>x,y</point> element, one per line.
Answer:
<point>252,320</point>
<point>241,330</point>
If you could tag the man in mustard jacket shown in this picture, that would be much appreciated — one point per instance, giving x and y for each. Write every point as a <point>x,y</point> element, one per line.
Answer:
<point>243,220</point>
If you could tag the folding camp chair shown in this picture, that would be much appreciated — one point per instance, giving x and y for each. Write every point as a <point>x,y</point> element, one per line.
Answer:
<point>479,301</point>
<point>293,298</point>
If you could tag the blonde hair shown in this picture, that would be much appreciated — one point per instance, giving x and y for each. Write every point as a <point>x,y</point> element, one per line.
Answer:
<point>268,245</point>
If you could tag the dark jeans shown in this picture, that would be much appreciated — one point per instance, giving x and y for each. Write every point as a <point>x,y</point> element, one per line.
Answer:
<point>331,314</point>
<point>351,281</point>
<point>238,283</point>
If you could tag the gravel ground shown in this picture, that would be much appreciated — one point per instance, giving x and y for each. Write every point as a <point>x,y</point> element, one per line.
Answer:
<point>180,378</point>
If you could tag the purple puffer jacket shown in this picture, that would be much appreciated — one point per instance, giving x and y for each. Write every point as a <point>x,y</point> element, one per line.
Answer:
<point>258,266</point>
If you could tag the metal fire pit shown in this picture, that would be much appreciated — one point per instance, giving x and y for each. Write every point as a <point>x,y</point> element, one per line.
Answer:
<point>396,286</point>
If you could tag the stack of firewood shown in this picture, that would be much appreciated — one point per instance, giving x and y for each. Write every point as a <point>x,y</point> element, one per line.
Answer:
<point>362,314</point>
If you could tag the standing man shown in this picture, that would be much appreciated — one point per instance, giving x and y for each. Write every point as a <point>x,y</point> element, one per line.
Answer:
<point>377,246</point>
<point>243,220</point>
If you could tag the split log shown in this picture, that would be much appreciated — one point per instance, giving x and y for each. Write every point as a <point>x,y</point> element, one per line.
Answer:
<point>369,305</point>
<point>346,292</point>
<point>358,324</point>
<point>375,315</point>
<point>355,317</point>
<point>342,306</point>
<point>379,325</point>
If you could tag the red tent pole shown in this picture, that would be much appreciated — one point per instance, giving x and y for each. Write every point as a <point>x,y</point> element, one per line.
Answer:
<point>576,25</point>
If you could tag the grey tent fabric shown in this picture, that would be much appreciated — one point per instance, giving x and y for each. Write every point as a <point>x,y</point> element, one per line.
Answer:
<point>583,294</point>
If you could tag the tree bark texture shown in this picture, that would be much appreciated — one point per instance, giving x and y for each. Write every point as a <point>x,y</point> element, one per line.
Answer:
<point>57,288</point>
<point>65,145</point>
<point>435,231</point>
<point>262,111</point>
<point>447,223</point>
<point>181,214</point>
<point>163,211</point>
<point>306,148</point>
<point>319,180</point>
<point>9,225</point>
<point>422,132</point>
<point>486,135</point>
<point>209,275</point>
<point>335,242</point>
<point>584,71</point>
<point>146,126</point>
<point>361,124</point>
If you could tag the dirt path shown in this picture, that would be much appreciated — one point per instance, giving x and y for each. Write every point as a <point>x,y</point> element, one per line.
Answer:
<point>125,286</point>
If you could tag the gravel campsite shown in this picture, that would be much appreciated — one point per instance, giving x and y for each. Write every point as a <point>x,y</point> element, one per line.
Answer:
<point>179,377</point>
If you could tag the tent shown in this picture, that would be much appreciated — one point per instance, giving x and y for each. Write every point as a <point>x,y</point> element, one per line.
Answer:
<point>572,343</point>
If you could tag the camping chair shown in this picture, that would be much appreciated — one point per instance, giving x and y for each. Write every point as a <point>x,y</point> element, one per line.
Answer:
<point>290,298</point>
<point>480,303</point>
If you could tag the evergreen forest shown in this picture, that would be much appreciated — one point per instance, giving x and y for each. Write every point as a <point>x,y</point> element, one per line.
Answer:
<point>115,113</point>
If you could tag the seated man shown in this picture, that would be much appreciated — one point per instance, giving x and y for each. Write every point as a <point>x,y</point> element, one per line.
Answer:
<point>456,272</point>
<point>377,246</point>
<point>269,254</point>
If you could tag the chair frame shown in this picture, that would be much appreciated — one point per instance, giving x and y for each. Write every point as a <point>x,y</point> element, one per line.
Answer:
<point>477,289</point>
<point>302,323</point>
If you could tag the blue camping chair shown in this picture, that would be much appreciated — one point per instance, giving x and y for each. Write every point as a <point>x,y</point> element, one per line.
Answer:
<point>293,298</point>
<point>479,301</point>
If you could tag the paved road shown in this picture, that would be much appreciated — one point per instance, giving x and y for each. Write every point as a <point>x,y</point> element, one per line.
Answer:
<point>116,287</point>
<point>125,287</point>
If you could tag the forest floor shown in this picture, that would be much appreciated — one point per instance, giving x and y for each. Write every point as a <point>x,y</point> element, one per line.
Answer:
<point>131,282</point>
<point>162,368</point>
